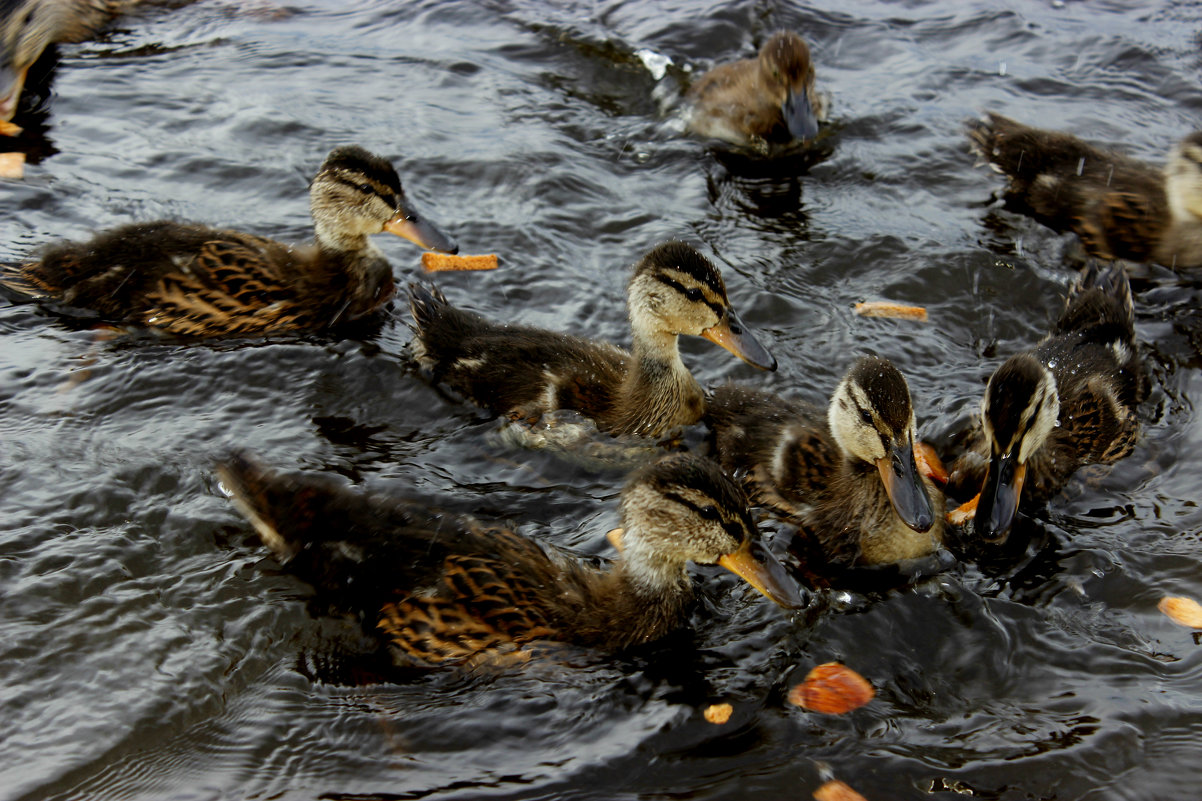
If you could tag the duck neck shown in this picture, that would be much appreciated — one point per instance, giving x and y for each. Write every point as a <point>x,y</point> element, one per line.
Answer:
<point>650,579</point>
<point>658,392</point>
<point>355,259</point>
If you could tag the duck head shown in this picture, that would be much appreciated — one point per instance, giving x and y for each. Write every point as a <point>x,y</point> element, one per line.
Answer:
<point>872,419</point>
<point>684,508</point>
<point>356,194</point>
<point>785,64</point>
<point>675,290</point>
<point>1019,411</point>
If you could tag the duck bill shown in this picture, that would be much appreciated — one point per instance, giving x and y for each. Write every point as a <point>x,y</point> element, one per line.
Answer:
<point>731,334</point>
<point>12,82</point>
<point>999,498</point>
<point>417,229</point>
<point>799,115</point>
<point>907,492</point>
<point>764,573</point>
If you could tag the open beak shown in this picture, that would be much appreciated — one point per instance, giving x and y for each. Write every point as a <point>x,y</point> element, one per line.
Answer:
<point>908,493</point>
<point>764,573</point>
<point>417,229</point>
<point>999,498</point>
<point>731,334</point>
<point>13,81</point>
<point>799,115</point>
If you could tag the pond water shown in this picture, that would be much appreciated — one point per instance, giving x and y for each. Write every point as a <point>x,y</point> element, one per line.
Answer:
<point>148,649</point>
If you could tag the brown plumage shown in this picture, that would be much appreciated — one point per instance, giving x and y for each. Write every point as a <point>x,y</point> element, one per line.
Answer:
<point>1121,208</point>
<point>438,589</point>
<point>1068,402</point>
<point>769,99</point>
<point>192,280</point>
<point>845,474</point>
<point>28,27</point>
<point>525,372</point>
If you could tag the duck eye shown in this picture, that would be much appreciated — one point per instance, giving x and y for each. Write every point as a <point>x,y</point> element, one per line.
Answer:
<point>366,189</point>
<point>709,512</point>
<point>693,294</point>
<point>866,417</point>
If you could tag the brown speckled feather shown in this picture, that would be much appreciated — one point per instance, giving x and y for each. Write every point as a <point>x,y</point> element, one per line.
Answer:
<point>526,372</point>
<point>438,588</point>
<point>1100,381</point>
<point>792,464</point>
<point>1117,205</point>
<point>195,281</point>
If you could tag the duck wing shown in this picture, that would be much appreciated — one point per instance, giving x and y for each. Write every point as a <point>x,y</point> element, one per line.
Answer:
<point>435,587</point>
<point>511,369</point>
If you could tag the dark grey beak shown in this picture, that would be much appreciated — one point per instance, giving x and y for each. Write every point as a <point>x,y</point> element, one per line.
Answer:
<point>799,115</point>
<point>998,504</point>
<point>899,473</point>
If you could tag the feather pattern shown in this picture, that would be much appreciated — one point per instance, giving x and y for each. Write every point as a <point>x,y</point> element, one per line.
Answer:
<point>192,280</point>
<point>441,589</point>
<point>1121,208</point>
<point>525,372</point>
<point>1097,378</point>
<point>819,467</point>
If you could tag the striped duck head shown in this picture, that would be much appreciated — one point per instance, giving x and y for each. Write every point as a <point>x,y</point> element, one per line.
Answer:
<point>872,419</point>
<point>1019,412</point>
<point>675,290</point>
<point>356,194</point>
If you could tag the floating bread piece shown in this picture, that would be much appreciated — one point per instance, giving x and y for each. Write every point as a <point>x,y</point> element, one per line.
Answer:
<point>835,790</point>
<point>12,165</point>
<point>8,129</point>
<point>832,689</point>
<point>885,308</point>
<point>1185,611</point>
<point>929,463</point>
<point>442,262</point>
<point>718,713</point>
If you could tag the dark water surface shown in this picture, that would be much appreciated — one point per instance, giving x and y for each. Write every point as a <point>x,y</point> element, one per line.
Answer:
<point>149,651</point>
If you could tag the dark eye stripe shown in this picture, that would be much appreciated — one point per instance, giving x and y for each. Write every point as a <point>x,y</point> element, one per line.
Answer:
<point>732,527</point>
<point>717,308</point>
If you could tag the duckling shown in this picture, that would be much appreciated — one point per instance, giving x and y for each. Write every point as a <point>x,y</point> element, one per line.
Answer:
<point>191,280</point>
<point>769,99</point>
<point>441,590</point>
<point>28,27</point>
<point>526,372</point>
<point>1068,402</point>
<point>1120,208</point>
<point>848,476</point>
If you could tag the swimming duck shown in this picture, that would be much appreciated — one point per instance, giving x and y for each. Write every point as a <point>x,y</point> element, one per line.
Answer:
<point>1121,208</point>
<point>1068,402</point>
<point>192,280</point>
<point>847,475</point>
<point>28,27</point>
<point>767,99</point>
<point>526,372</point>
<point>442,590</point>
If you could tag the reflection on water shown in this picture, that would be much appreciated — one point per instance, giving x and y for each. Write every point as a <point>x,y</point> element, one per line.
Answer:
<point>150,650</point>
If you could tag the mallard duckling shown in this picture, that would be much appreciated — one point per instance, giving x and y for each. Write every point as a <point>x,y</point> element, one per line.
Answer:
<point>28,27</point>
<point>1121,208</point>
<point>525,372</point>
<point>1068,402</point>
<point>441,590</point>
<point>192,280</point>
<point>847,475</point>
<point>768,99</point>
